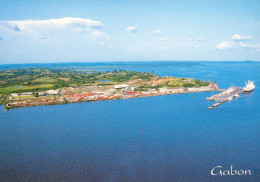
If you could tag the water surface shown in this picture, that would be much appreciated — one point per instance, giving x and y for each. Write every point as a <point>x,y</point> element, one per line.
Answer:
<point>162,138</point>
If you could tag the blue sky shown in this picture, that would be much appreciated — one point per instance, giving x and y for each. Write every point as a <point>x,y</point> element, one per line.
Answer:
<point>138,30</point>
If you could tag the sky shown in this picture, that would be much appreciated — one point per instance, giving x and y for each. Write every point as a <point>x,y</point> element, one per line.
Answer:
<point>44,31</point>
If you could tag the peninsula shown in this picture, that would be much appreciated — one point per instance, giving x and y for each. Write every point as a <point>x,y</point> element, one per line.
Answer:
<point>42,86</point>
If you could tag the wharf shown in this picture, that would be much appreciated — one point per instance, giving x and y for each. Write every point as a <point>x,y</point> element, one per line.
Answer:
<point>222,97</point>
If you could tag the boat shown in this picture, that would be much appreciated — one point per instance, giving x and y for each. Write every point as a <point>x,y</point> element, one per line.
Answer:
<point>250,86</point>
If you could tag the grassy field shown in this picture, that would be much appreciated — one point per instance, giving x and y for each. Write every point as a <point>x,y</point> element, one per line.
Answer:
<point>45,80</point>
<point>23,97</point>
<point>19,88</point>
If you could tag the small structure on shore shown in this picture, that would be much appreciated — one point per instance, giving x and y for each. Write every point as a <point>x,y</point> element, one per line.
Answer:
<point>122,86</point>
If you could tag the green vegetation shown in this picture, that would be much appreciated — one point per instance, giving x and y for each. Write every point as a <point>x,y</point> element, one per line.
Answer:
<point>124,76</point>
<point>2,98</point>
<point>200,83</point>
<point>174,83</point>
<point>34,79</point>
<point>44,80</point>
<point>188,85</point>
<point>19,89</point>
<point>41,79</point>
<point>23,97</point>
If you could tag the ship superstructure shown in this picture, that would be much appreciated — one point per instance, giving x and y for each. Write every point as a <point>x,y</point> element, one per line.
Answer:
<point>250,86</point>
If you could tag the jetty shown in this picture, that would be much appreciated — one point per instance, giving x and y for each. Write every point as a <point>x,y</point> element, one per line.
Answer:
<point>225,96</point>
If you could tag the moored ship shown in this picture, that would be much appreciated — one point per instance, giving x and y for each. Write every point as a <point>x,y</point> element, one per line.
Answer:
<point>250,86</point>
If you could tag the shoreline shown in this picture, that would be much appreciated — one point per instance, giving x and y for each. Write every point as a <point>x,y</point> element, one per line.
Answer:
<point>35,86</point>
<point>103,99</point>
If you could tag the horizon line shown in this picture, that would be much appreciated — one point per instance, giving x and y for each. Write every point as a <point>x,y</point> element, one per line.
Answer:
<point>132,61</point>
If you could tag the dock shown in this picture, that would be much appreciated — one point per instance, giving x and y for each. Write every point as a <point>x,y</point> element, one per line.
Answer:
<point>224,96</point>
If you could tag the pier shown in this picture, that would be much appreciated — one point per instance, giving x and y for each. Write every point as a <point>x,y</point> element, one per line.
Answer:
<point>224,96</point>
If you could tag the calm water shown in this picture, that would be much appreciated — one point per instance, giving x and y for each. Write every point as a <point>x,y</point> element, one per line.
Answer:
<point>163,138</point>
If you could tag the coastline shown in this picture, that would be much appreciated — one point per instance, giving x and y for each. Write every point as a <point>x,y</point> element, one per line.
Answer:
<point>41,86</point>
<point>184,91</point>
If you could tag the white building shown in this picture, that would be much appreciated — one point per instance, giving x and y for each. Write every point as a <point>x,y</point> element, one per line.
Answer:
<point>52,92</point>
<point>121,86</point>
<point>14,94</point>
<point>41,93</point>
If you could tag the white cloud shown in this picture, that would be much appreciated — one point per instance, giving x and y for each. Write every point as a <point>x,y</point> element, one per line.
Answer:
<point>238,37</point>
<point>132,29</point>
<point>251,46</point>
<point>238,41</point>
<point>237,45</point>
<point>157,31</point>
<point>11,25</point>
<point>51,23</point>
<point>189,39</point>
<point>224,45</point>
<point>241,44</point>
<point>99,34</point>
<point>51,27</point>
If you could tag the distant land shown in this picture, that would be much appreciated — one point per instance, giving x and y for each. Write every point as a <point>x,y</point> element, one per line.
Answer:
<point>110,63</point>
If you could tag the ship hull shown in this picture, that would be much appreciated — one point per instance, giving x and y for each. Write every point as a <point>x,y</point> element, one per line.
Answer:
<point>248,91</point>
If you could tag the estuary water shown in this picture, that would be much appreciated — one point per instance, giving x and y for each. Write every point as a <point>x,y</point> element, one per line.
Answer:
<point>162,138</point>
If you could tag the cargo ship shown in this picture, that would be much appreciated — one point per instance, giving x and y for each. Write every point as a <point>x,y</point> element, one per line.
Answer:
<point>250,86</point>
